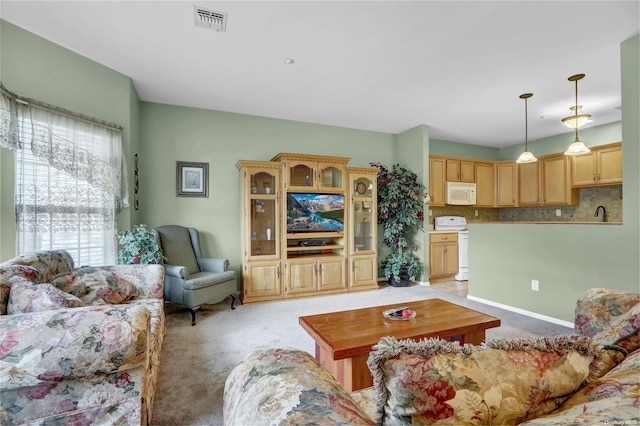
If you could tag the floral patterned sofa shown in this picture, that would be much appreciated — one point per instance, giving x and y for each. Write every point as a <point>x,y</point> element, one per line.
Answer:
<point>78,346</point>
<point>590,377</point>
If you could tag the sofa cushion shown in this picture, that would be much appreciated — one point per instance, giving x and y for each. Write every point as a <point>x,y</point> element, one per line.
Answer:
<point>612,399</point>
<point>49,347</point>
<point>25,296</point>
<point>95,286</point>
<point>498,382</point>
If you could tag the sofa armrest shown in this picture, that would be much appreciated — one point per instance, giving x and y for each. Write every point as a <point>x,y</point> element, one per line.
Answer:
<point>148,279</point>
<point>48,262</point>
<point>287,386</point>
<point>598,307</point>
<point>213,265</point>
<point>66,344</point>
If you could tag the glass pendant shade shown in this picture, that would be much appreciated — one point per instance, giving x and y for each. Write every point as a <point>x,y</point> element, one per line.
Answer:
<point>526,156</point>
<point>577,148</point>
<point>577,119</point>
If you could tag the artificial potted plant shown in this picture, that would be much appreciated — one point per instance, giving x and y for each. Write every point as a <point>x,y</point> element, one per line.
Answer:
<point>139,245</point>
<point>401,213</point>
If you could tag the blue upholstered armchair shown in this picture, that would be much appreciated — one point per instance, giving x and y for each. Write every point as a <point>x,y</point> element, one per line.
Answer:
<point>191,279</point>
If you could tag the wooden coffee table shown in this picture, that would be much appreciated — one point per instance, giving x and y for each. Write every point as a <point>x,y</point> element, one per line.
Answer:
<point>344,339</point>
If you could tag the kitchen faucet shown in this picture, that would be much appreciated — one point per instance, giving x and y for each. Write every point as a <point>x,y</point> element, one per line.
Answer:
<point>604,213</point>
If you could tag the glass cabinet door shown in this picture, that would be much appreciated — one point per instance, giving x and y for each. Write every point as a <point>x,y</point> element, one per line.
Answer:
<point>302,175</point>
<point>264,227</point>
<point>364,218</point>
<point>330,176</point>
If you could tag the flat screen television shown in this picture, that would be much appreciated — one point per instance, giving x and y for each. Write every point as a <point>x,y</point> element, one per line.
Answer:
<point>308,212</point>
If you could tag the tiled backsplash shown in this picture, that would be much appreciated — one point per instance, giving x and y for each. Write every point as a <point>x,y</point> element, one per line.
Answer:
<point>468,212</point>
<point>590,198</point>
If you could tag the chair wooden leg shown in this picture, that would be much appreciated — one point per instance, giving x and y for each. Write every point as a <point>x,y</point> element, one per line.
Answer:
<point>193,314</point>
<point>235,297</point>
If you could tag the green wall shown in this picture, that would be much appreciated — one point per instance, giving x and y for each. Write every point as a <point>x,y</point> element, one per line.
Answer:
<point>566,259</point>
<point>464,150</point>
<point>35,68</point>
<point>173,133</point>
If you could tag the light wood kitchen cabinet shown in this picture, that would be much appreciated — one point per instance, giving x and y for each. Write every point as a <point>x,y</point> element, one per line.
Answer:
<point>437,174</point>
<point>459,170</point>
<point>601,167</point>
<point>485,184</point>
<point>556,181</point>
<point>443,254</point>
<point>507,183</point>
<point>529,184</point>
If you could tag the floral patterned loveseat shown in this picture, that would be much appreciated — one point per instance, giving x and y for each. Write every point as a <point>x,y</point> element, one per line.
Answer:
<point>590,377</point>
<point>78,346</point>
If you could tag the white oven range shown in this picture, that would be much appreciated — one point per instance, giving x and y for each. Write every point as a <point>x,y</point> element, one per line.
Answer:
<point>459,225</point>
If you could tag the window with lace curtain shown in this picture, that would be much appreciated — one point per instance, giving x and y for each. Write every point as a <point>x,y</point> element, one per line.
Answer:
<point>68,180</point>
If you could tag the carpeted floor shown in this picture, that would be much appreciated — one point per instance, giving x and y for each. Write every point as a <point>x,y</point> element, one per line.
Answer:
<point>195,361</point>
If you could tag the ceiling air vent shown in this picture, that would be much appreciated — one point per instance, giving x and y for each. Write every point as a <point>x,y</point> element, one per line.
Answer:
<point>211,19</point>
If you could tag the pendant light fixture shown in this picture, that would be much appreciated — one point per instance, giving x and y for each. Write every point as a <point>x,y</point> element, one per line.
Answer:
<point>526,156</point>
<point>577,118</point>
<point>577,147</point>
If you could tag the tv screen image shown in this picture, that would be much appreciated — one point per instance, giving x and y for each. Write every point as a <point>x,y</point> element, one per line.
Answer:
<point>307,212</point>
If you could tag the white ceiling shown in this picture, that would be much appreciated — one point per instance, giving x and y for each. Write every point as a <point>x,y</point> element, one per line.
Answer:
<point>456,66</point>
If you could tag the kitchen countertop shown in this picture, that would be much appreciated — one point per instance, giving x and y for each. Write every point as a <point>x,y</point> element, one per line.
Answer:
<point>514,222</point>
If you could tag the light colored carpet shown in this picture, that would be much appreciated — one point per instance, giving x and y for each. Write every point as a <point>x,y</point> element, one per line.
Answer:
<point>196,361</point>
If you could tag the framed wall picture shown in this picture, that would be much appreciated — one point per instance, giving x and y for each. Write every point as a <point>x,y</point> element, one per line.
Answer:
<point>192,179</point>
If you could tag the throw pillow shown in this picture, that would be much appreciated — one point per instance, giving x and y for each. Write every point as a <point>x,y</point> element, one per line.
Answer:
<point>4,294</point>
<point>607,357</point>
<point>499,382</point>
<point>27,297</point>
<point>95,286</point>
<point>28,272</point>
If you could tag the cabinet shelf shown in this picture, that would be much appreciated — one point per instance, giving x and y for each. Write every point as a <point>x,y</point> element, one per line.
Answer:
<point>315,248</point>
<point>323,254</point>
<point>313,235</point>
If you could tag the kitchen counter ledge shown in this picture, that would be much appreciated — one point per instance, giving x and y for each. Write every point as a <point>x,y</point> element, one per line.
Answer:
<point>515,222</point>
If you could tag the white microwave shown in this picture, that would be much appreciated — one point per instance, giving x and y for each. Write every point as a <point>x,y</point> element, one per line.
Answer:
<point>460,193</point>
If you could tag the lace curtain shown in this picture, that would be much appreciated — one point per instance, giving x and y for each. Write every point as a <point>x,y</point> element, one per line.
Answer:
<point>70,179</point>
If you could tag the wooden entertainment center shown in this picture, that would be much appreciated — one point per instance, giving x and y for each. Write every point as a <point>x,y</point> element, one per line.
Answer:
<point>288,255</point>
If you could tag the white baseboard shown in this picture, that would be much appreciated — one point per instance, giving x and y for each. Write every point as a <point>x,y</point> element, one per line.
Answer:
<point>523,312</point>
